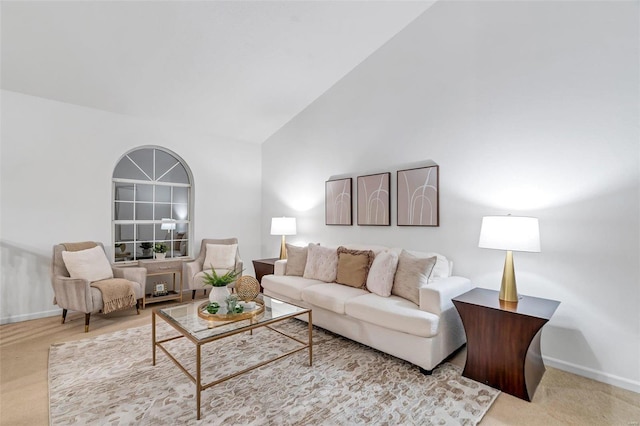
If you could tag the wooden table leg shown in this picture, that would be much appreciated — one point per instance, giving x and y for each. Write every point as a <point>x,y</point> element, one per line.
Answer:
<point>153,336</point>
<point>310,340</point>
<point>198,381</point>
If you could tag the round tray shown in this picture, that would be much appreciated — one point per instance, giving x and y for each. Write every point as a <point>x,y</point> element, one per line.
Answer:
<point>202,313</point>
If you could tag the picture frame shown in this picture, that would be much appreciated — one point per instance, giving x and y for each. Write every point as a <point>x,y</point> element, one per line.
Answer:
<point>160,289</point>
<point>418,196</point>
<point>374,199</point>
<point>338,202</point>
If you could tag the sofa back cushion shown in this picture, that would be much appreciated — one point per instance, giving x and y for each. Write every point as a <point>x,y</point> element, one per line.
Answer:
<point>296,260</point>
<point>381,273</point>
<point>353,266</point>
<point>412,273</point>
<point>322,263</point>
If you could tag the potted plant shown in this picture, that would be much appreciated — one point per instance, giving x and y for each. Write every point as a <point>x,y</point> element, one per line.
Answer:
<point>219,291</point>
<point>146,248</point>
<point>160,249</point>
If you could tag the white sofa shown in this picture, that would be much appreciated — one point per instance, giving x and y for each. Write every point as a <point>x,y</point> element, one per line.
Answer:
<point>424,334</point>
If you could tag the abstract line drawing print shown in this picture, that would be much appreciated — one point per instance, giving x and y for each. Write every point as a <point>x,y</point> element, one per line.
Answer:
<point>373,199</point>
<point>338,202</point>
<point>418,197</point>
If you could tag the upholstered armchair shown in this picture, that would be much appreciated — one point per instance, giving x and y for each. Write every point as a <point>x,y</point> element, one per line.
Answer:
<point>82,294</point>
<point>193,271</point>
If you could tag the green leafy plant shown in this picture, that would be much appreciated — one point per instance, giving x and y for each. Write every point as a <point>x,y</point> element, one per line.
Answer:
<point>215,280</point>
<point>146,246</point>
<point>160,248</point>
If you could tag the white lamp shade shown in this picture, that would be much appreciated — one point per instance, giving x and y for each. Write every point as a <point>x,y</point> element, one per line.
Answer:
<point>168,224</point>
<point>515,233</point>
<point>283,226</point>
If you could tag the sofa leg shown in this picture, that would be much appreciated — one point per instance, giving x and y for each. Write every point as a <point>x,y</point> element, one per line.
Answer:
<point>205,291</point>
<point>138,306</point>
<point>87,317</point>
<point>426,372</point>
<point>193,294</point>
<point>64,315</point>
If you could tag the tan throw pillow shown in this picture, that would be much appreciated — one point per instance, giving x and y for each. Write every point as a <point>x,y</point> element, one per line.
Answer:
<point>381,273</point>
<point>296,260</point>
<point>353,267</point>
<point>220,256</point>
<point>322,263</point>
<point>90,264</point>
<point>412,273</point>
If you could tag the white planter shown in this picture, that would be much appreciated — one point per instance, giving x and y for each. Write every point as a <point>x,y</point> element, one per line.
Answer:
<point>219,295</point>
<point>160,255</point>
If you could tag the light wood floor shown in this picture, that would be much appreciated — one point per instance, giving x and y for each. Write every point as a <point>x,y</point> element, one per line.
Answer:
<point>561,398</point>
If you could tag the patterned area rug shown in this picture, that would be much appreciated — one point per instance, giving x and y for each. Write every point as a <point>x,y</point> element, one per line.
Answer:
<point>109,379</point>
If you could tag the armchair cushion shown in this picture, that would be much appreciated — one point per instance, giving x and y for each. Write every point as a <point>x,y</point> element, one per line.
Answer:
<point>220,256</point>
<point>90,264</point>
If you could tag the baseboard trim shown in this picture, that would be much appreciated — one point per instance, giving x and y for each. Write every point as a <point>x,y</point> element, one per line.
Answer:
<point>32,316</point>
<point>590,373</point>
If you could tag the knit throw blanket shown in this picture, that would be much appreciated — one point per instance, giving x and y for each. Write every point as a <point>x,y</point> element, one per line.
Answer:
<point>117,293</point>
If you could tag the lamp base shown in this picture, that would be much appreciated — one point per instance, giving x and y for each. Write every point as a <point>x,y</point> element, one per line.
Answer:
<point>283,249</point>
<point>508,290</point>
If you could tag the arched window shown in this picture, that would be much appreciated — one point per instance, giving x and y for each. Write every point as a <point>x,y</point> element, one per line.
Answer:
<point>152,199</point>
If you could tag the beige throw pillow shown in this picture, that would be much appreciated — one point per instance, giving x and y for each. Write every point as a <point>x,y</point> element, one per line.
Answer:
<point>220,256</point>
<point>381,273</point>
<point>412,273</point>
<point>353,267</point>
<point>296,260</point>
<point>322,263</point>
<point>90,264</point>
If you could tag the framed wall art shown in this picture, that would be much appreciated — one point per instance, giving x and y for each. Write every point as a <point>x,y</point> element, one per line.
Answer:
<point>338,202</point>
<point>374,199</point>
<point>418,197</point>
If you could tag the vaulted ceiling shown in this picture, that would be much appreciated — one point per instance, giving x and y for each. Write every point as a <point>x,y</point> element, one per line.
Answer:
<point>237,70</point>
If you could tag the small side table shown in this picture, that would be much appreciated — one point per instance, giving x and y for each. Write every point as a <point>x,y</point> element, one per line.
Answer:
<point>264,267</point>
<point>503,340</point>
<point>159,267</point>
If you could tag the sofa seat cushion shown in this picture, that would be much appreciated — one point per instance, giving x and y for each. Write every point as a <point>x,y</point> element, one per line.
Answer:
<point>331,296</point>
<point>288,286</point>
<point>394,313</point>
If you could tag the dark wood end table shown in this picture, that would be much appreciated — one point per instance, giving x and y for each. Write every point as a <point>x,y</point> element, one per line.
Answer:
<point>503,340</point>
<point>264,267</point>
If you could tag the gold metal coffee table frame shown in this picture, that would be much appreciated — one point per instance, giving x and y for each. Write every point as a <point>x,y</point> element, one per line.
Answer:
<point>184,319</point>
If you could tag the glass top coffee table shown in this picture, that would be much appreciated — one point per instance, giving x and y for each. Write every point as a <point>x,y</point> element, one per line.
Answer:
<point>200,328</point>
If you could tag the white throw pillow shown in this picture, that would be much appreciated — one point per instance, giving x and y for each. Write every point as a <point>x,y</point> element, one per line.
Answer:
<point>383,269</point>
<point>220,256</point>
<point>322,263</point>
<point>412,273</point>
<point>90,264</point>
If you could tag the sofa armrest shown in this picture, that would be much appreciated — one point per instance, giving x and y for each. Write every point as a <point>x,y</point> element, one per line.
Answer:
<point>72,293</point>
<point>280,267</point>
<point>189,269</point>
<point>135,274</point>
<point>436,296</point>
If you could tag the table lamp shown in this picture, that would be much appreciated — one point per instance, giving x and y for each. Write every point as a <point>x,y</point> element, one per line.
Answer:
<point>283,226</point>
<point>510,233</point>
<point>168,224</point>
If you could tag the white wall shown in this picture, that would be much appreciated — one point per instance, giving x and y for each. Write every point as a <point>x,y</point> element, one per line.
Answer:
<point>529,108</point>
<point>57,161</point>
